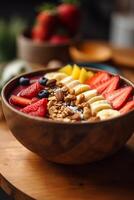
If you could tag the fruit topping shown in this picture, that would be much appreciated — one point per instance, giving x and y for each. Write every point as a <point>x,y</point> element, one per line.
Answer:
<point>43,81</point>
<point>31,91</point>
<point>107,113</point>
<point>114,81</point>
<point>36,109</point>
<point>67,70</point>
<point>76,72</point>
<point>108,85</point>
<point>127,107</point>
<point>119,97</point>
<point>83,75</point>
<point>24,81</point>
<point>19,101</point>
<point>98,78</point>
<point>43,94</point>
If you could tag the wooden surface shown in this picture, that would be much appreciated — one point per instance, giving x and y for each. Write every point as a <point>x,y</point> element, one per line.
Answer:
<point>26,176</point>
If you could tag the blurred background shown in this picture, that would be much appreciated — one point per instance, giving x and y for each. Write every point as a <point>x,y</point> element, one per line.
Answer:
<point>103,33</point>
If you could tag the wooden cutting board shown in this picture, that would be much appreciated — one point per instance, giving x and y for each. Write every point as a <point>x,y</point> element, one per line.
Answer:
<point>25,176</point>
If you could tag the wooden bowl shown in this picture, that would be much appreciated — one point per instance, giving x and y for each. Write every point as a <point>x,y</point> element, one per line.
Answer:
<point>41,52</point>
<point>64,142</point>
<point>91,51</point>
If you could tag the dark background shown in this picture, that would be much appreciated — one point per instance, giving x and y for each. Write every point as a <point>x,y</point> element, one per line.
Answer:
<point>96,14</point>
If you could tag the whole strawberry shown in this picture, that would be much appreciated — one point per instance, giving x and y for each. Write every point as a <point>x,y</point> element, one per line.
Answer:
<point>69,15</point>
<point>46,22</point>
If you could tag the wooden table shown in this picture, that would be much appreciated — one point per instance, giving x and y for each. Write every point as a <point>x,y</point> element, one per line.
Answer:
<point>25,176</point>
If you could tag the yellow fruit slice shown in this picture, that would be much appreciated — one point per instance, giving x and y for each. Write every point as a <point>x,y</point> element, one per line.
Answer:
<point>67,70</point>
<point>72,84</point>
<point>76,72</point>
<point>90,74</point>
<point>107,113</point>
<point>99,105</point>
<point>80,88</point>
<point>83,75</point>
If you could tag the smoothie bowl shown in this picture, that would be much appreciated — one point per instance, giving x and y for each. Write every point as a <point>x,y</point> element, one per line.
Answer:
<point>71,115</point>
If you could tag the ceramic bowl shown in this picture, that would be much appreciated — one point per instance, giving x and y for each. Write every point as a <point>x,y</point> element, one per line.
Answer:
<point>91,51</point>
<point>67,143</point>
<point>41,52</point>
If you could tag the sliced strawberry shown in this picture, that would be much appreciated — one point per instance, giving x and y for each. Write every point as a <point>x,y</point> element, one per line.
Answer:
<point>119,97</point>
<point>114,81</point>
<point>112,95</point>
<point>19,101</point>
<point>128,106</point>
<point>97,78</point>
<point>110,85</point>
<point>36,109</point>
<point>34,99</point>
<point>31,91</point>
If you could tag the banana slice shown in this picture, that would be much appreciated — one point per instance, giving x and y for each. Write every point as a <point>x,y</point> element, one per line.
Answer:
<point>56,75</point>
<point>99,105</point>
<point>67,80</point>
<point>73,84</point>
<point>89,94</point>
<point>107,113</point>
<point>96,98</point>
<point>80,88</point>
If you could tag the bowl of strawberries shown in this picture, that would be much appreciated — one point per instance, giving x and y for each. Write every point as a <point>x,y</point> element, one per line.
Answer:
<point>55,29</point>
<point>70,115</point>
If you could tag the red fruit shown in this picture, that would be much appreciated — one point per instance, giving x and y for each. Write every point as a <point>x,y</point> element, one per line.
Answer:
<point>36,109</point>
<point>114,81</point>
<point>47,19</point>
<point>19,101</point>
<point>31,91</point>
<point>40,34</point>
<point>34,100</point>
<point>99,77</point>
<point>59,39</point>
<point>109,85</point>
<point>69,15</point>
<point>118,97</point>
<point>128,106</point>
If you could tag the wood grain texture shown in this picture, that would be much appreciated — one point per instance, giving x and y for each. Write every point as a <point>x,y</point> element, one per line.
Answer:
<point>25,176</point>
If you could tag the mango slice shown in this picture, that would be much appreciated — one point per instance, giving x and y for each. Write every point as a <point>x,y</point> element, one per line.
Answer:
<point>67,70</point>
<point>76,72</point>
<point>83,75</point>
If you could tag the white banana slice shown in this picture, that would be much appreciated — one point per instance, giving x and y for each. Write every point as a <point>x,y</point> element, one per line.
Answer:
<point>99,105</point>
<point>56,75</point>
<point>73,84</point>
<point>89,94</point>
<point>95,98</point>
<point>107,113</point>
<point>67,80</point>
<point>80,88</point>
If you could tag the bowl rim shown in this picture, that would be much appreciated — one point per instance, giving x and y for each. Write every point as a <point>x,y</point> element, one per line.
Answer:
<point>50,121</point>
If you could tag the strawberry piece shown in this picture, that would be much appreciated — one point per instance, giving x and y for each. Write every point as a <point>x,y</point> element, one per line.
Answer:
<point>112,95</point>
<point>128,106</point>
<point>118,97</point>
<point>34,100</point>
<point>108,85</point>
<point>99,77</point>
<point>59,39</point>
<point>40,34</point>
<point>31,91</point>
<point>36,109</point>
<point>69,15</point>
<point>114,81</point>
<point>19,101</point>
